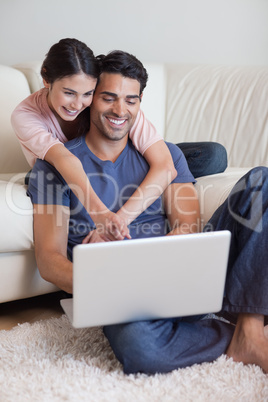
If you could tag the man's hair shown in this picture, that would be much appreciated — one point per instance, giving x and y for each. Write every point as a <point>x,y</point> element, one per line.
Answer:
<point>119,62</point>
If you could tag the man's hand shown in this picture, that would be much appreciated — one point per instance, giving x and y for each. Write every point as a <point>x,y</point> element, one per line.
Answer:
<point>110,226</point>
<point>93,237</point>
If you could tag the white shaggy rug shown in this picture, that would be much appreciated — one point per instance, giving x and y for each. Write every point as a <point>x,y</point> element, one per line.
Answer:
<point>51,361</point>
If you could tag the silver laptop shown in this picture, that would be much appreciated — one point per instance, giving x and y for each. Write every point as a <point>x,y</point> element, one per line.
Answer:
<point>141,279</point>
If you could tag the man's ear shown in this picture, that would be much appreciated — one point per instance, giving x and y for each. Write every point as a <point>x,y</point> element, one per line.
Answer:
<point>141,95</point>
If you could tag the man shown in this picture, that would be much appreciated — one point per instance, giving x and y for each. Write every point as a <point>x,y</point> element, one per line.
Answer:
<point>116,169</point>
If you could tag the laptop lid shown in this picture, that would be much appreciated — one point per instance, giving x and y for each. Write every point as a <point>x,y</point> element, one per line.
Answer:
<point>153,278</point>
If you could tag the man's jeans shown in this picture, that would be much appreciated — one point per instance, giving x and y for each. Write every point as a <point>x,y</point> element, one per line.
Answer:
<point>204,158</point>
<point>168,344</point>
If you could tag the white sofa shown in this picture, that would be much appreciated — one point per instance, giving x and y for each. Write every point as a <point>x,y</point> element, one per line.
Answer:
<point>186,103</point>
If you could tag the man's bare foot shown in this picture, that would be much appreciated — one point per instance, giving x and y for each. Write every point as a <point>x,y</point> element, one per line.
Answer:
<point>249,344</point>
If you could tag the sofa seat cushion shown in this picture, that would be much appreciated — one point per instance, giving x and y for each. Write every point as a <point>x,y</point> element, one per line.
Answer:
<point>16,214</point>
<point>213,190</point>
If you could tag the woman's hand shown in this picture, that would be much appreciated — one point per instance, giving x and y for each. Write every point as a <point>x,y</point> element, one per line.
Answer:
<point>110,226</point>
<point>93,237</point>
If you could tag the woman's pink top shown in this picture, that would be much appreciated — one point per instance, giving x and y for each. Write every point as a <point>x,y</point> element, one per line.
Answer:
<point>38,129</point>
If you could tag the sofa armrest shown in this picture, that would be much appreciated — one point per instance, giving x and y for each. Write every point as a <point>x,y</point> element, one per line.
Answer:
<point>213,190</point>
<point>31,70</point>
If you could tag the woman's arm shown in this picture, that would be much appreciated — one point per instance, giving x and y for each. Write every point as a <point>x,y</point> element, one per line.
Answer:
<point>109,225</point>
<point>159,176</point>
<point>38,142</point>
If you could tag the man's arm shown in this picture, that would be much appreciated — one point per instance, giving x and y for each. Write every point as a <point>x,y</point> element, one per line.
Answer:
<point>50,238</point>
<point>182,208</point>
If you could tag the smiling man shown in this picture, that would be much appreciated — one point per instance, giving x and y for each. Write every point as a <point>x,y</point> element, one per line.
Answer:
<point>115,112</point>
<point>116,169</point>
<point>116,105</point>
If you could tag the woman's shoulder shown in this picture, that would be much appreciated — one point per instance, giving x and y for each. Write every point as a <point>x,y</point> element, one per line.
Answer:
<point>33,113</point>
<point>33,108</point>
<point>34,102</point>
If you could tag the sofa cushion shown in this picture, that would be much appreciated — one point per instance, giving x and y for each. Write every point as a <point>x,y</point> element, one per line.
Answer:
<point>154,98</point>
<point>16,215</point>
<point>213,190</point>
<point>14,88</point>
<point>31,70</point>
<point>223,104</point>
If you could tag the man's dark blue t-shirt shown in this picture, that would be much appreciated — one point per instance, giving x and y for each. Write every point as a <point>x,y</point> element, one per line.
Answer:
<point>114,183</point>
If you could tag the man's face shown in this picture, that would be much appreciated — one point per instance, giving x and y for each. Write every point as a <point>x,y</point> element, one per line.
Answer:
<point>115,106</point>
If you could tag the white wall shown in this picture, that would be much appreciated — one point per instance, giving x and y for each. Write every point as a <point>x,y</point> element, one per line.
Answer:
<point>187,31</point>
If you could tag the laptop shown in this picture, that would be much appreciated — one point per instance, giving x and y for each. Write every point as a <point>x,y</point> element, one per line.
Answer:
<point>141,279</point>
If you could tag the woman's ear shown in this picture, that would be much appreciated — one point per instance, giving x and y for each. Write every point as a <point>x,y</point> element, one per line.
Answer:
<point>46,84</point>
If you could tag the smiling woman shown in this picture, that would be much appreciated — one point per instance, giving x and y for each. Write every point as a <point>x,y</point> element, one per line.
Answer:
<point>70,96</point>
<point>69,64</point>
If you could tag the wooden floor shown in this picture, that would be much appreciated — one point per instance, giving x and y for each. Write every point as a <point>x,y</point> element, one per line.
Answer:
<point>30,310</point>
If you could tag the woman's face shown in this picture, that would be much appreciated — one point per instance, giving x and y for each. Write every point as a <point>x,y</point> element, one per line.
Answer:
<point>69,96</point>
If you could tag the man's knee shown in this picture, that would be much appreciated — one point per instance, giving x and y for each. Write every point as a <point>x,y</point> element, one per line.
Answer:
<point>254,180</point>
<point>215,157</point>
<point>205,158</point>
<point>258,176</point>
<point>248,200</point>
<point>133,345</point>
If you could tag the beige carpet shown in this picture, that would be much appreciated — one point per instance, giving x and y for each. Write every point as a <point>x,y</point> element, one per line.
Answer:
<point>51,361</point>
